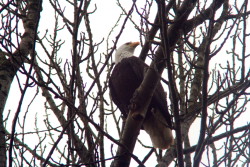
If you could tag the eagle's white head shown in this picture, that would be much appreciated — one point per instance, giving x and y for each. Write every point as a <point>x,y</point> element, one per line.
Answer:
<point>126,50</point>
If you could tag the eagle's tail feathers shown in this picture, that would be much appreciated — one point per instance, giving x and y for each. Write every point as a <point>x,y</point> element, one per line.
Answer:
<point>158,130</point>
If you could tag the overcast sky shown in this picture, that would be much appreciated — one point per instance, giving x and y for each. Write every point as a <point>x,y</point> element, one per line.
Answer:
<point>102,21</point>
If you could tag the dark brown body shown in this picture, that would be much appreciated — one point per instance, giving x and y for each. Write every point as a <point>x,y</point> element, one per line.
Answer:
<point>126,78</point>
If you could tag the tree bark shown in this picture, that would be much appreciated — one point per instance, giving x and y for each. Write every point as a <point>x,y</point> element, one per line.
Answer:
<point>9,66</point>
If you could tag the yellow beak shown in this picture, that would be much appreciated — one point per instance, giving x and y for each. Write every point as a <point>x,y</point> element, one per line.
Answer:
<point>134,44</point>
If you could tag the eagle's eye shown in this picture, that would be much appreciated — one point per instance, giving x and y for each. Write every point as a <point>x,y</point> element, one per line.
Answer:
<point>127,43</point>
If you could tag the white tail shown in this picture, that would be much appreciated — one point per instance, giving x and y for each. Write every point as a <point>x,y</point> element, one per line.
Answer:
<point>157,128</point>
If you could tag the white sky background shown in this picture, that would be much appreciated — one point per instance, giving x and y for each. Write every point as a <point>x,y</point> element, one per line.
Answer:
<point>101,23</point>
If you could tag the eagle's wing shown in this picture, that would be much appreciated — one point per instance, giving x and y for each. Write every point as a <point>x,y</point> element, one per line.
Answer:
<point>159,101</point>
<point>126,77</point>
<point>115,97</point>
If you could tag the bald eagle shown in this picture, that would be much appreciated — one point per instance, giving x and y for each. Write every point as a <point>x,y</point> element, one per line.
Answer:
<point>126,77</point>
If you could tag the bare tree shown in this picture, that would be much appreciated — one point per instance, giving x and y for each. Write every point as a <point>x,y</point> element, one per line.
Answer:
<point>57,64</point>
